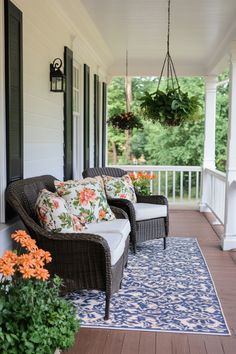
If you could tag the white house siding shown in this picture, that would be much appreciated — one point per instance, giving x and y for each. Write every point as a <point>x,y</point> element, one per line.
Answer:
<point>45,33</point>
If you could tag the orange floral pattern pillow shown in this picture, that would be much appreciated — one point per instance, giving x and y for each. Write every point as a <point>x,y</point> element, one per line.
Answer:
<point>53,214</point>
<point>120,187</point>
<point>86,198</point>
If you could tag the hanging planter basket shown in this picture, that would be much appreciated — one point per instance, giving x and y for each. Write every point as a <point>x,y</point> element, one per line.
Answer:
<point>171,107</point>
<point>125,121</point>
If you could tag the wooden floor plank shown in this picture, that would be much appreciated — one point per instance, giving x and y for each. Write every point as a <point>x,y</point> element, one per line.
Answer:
<point>222,266</point>
<point>89,342</point>
<point>180,344</point>
<point>114,342</point>
<point>147,343</point>
<point>229,345</point>
<point>163,343</point>
<point>197,344</point>
<point>131,342</point>
<point>213,345</point>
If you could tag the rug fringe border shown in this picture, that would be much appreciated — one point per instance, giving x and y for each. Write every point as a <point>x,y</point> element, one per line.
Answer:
<point>218,298</point>
<point>153,330</point>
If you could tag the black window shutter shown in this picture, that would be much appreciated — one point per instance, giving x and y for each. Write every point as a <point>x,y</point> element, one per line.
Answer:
<point>68,114</point>
<point>96,120</point>
<point>14,91</point>
<point>104,122</point>
<point>86,116</point>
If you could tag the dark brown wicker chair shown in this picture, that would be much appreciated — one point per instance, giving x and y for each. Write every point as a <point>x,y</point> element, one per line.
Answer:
<point>83,261</point>
<point>140,230</point>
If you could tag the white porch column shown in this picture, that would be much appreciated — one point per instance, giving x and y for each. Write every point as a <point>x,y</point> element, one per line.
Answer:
<point>229,239</point>
<point>209,140</point>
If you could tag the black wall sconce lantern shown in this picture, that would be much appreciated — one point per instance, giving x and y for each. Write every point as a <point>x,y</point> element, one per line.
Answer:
<point>57,78</point>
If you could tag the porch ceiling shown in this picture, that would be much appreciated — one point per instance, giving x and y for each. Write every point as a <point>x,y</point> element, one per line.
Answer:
<point>201,32</point>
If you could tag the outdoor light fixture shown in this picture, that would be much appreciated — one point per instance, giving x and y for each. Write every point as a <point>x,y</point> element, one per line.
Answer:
<point>57,78</point>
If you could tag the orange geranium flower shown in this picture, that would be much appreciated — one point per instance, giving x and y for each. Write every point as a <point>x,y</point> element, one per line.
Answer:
<point>41,273</point>
<point>30,264</point>
<point>20,235</point>
<point>135,176</point>
<point>86,195</point>
<point>26,260</point>
<point>7,269</point>
<point>47,257</point>
<point>10,256</point>
<point>27,272</point>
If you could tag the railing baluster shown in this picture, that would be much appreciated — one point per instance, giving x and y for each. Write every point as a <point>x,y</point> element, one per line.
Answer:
<point>166,184</point>
<point>197,185</point>
<point>159,182</point>
<point>173,191</point>
<point>189,185</point>
<point>181,185</point>
<point>151,182</point>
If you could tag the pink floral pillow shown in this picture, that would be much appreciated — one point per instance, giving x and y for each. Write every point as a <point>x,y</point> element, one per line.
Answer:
<point>120,187</point>
<point>53,214</point>
<point>86,198</point>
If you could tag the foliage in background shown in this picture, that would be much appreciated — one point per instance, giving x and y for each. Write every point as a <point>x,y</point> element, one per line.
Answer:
<point>160,145</point>
<point>222,111</point>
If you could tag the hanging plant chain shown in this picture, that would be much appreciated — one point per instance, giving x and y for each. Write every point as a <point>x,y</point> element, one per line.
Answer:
<point>168,62</point>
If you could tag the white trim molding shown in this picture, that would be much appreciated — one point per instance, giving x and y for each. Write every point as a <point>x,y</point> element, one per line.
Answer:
<point>2,117</point>
<point>229,239</point>
<point>209,140</point>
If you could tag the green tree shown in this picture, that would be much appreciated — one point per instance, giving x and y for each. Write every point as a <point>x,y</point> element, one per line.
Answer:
<point>159,145</point>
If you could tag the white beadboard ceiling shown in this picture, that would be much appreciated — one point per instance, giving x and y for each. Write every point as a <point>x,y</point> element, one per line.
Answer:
<point>201,33</point>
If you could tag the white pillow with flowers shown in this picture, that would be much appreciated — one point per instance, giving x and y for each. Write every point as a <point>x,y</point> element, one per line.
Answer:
<point>120,187</point>
<point>86,198</point>
<point>53,214</point>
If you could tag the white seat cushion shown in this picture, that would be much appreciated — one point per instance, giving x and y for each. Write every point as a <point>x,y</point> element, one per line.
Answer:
<point>115,232</point>
<point>145,211</point>
<point>116,243</point>
<point>121,226</point>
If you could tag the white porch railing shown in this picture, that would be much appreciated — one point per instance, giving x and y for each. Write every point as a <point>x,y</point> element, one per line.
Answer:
<point>215,192</point>
<point>180,184</point>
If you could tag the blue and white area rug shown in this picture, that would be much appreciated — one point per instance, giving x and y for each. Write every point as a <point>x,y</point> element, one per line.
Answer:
<point>163,291</point>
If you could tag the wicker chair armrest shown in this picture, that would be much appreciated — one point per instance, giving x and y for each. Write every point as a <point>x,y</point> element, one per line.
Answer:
<point>75,243</point>
<point>152,199</point>
<point>119,213</point>
<point>79,256</point>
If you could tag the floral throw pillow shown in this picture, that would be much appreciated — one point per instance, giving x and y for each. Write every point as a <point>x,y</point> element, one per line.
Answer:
<point>86,198</point>
<point>119,187</point>
<point>53,214</point>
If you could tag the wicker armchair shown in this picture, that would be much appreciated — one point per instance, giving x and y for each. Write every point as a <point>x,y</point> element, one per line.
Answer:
<point>142,230</point>
<point>83,261</point>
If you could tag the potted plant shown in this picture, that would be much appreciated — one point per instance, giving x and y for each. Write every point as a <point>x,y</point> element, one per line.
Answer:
<point>141,182</point>
<point>125,121</point>
<point>171,107</point>
<point>34,318</point>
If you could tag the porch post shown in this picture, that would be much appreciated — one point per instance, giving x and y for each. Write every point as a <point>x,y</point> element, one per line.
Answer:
<point>209,140</point>
<point>229,238</point>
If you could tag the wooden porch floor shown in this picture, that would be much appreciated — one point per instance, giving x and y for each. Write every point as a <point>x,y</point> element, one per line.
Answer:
<point>223,269</point>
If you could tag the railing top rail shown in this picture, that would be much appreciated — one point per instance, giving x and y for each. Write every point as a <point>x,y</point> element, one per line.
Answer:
<point>220,175</point>
<point>158,168</point>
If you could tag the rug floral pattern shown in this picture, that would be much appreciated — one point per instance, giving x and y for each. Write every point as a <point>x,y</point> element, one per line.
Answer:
<point>169,291</point>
